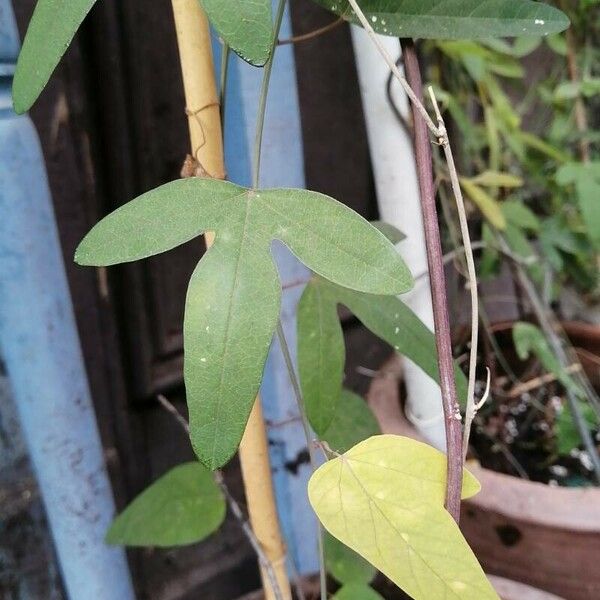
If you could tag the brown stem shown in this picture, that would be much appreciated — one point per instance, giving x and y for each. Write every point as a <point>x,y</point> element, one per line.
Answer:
<point>435,261</point>
<point>311,34</point>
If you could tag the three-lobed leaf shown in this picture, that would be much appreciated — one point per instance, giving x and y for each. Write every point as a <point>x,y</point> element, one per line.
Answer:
<point>183,507</point>
<point>386,316</point>
<point>384,498</point>
<point>233,300</point>
<point>455,19</point>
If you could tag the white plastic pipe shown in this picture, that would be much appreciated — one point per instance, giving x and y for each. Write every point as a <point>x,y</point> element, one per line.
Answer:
<point>393,161</point>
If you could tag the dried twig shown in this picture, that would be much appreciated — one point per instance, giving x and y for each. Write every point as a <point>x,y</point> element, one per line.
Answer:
<point>537,382</point>
<point>236,511</point>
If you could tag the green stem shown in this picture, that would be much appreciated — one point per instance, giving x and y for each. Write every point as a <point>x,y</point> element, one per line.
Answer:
<point>225,51</point>
<point>264,92</point>
<point>285,349</point>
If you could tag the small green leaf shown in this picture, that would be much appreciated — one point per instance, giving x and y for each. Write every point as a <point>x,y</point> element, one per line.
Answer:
<point>586,178</point>
<point>567,434</point>
<point>182,507</point>
<point>455,19</point>
<point>520,215</point>
<point>530,339</point>
<point>353,422</point>
<point>391,233</point>
<point>344,564</point>
<point>488,205</point>
<point>497,179</point>
<point>356,591</point>
<point>391,320</point>
<point>50,31</point>
<point>384,498</point>
<point>320,356</point>
<point>234,295</point>
<point>245,25</point>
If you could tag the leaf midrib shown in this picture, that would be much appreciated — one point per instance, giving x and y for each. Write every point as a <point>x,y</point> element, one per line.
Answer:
<point>226,344</point>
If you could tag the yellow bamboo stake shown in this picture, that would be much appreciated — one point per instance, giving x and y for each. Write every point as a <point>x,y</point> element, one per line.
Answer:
<point>195,51</point>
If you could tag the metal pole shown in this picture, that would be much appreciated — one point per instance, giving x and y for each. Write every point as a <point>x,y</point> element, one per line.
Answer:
<point>40,347</point>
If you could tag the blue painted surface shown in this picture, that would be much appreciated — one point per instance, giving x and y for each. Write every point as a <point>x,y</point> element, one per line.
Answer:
<point>282,166</point>
<point>40,348</point>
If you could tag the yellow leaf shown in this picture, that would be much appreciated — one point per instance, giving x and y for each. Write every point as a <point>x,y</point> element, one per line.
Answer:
<point>488,205</point>
<point>384,499</point>
<point>497,179</point>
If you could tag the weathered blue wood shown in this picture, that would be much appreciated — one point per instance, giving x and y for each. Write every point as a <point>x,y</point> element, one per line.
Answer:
<point>282,165</point>
<point>40,348</point>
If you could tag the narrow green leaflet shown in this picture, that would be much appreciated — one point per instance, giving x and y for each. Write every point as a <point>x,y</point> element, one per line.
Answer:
<point>246,25</point>
<point>387,317</point>
<point>50,31</point>
<point>384,498</point>
<point>353,422</point>
<point>529,339</point>
<point>321,344</point>
<point>344,564</point>
<point>182,507</point>
<point>486,203</point>
<point>234,295</point>
<point>455,19</point>
<point>497,179</point>
<point>356,591</point>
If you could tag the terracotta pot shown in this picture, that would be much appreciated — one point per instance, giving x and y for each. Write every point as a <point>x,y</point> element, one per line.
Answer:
<point>507,590</point>
<point>544,536</point>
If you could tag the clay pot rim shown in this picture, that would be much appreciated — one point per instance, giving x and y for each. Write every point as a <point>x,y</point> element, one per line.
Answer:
<point>576,509</point>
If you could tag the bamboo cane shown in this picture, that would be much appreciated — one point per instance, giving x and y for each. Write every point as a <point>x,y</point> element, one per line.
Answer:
<point>193,38</point>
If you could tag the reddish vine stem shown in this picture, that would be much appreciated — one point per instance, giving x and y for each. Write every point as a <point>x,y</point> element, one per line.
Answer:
<point>435,261</point>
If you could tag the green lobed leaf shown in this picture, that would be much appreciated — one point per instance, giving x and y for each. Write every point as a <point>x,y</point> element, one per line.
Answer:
<point>455,19</point>
<point>352,423</point>
<point>388,318</point>
<point>320,356</point>
<point>183,507</point>
<point>394,322</point>
<point>50,31</point>
<point>384,499</point>
<point>344,565</point>
<point>233,300</point>
<point>246,25</point>
<point>356,591</point>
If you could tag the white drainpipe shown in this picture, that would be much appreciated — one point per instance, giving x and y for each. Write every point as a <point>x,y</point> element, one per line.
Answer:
<point>393,161</point>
